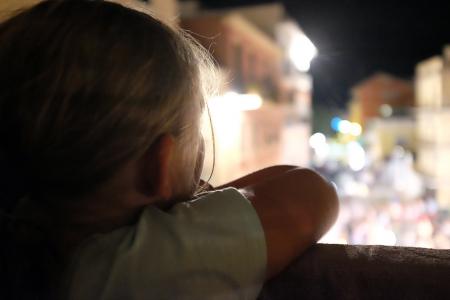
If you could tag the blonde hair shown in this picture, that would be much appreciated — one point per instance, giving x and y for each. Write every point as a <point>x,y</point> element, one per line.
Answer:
<point>100,85</point>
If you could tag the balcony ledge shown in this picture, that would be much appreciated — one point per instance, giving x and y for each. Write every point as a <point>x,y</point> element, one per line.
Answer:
<point>328,271</point>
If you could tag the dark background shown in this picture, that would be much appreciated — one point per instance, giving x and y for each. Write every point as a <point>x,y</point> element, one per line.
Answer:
<point>358,38</point>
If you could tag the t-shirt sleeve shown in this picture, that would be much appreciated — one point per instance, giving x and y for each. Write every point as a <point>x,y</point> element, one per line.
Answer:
<point>209,248</point>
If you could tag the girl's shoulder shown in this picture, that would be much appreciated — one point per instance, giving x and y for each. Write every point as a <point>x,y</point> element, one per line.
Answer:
<point>210,244</point>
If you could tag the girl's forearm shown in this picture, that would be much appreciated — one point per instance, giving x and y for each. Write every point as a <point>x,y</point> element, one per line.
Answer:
<point>258,176</point>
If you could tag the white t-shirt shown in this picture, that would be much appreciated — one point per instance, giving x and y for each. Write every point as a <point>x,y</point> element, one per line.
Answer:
<point>209,248</point>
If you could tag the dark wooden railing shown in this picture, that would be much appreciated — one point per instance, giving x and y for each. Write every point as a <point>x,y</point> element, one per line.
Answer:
<point>328,271</point>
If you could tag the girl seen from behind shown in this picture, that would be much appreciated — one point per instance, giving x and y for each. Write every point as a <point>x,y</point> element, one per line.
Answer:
<point>100,158</point>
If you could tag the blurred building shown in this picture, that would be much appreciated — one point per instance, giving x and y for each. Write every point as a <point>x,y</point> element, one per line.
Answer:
<point>250,47</point>
<point>166,10</point>
<point>380,95</point>
<point>383,105</point>
<point>383,135</point>
<point>433,120</point>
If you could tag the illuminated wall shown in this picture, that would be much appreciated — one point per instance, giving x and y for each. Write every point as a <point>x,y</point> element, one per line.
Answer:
<point>432,85</point>
<point>251,58</point>
<point>386,134</point>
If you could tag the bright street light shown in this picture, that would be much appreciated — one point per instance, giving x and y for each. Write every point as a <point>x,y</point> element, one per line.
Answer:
<point>302,51</point>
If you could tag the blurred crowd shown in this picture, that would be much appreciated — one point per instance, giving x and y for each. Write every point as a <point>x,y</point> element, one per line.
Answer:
<point>417,223</point>
<point>386,204</point>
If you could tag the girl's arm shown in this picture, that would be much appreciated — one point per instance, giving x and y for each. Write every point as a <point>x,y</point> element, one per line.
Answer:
<point>295,206</point>
<point>258,176</point>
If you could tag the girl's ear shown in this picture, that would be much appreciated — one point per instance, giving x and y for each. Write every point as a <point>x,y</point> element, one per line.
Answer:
<point>164,154</point>
<point>155,168</point>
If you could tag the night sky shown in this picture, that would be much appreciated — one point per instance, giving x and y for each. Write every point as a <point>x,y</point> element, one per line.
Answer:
<point>358,38</point>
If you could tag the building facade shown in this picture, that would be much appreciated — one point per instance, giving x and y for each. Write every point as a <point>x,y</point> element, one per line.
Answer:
<point>380,95</point>
<point>244,45</point>
<point>432,86</point>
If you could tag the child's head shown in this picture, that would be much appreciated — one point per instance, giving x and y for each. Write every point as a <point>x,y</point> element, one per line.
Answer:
<point>86,86</point>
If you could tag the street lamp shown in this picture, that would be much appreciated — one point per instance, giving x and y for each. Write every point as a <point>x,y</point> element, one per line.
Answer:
<point>297,46</point>
<point>301,51</point>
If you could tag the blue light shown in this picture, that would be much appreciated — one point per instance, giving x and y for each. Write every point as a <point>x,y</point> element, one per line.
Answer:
<point>335,123</point>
